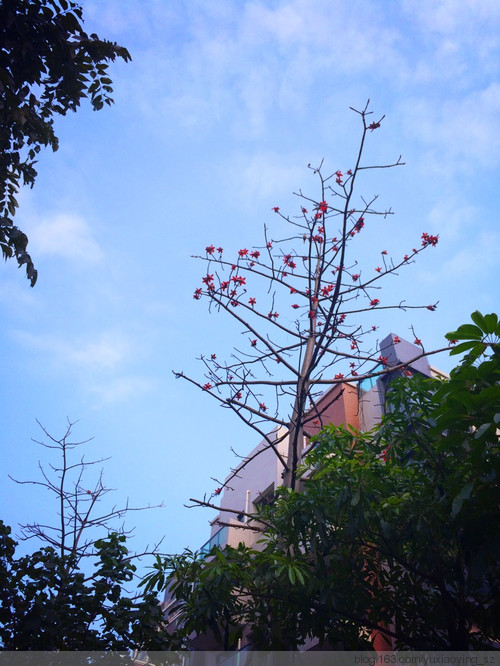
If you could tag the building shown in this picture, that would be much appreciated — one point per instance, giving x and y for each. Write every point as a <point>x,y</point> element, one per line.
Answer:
<point>360,405</point>
<point>256,479</point>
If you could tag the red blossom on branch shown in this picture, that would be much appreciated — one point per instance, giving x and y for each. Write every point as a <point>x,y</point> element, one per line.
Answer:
<point>255,254</point>
<point>417,341</point>
<point>239,280</point>
<point>276,209</point>
<point>359,225</point>
<point>295,306</point>
<point>253,343</point>
<point>355,277</point>
<point>378,269</point>
<point>383,359</point>
<point>262,407</point>
<point>432,308</point>
<point>243,253</point>
<point>373,126</point>
<point>207,386</point>
<point>197,294</point>
<point>339,376</point>
<point>210,249</point>
<point>427,239</point>
<point>252,301</point>
<point>374,302</point>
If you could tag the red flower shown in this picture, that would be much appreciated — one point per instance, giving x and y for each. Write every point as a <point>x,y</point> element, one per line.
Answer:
<point>276,209</point>
<point>339,376</point>
<point>207,386</point>
<point>239,280</point>
<point>355,277</point>
<point>354,345</point>
<point>224,285</point>
<point>406,257</point>
<point>359,225</point>
<point>197,294</point>
<point>243,253</point>
<point>252,301</point>
<point>217,491</point>
<point>323,206</point>
<point>213,357</point>
<point>378,269</point>
<point>304,210</point>
<point>408,373</point>
<point>396,339</point>
<point>210,249</point>
<point>427,239</point>
<point>325,291</point>
<point>207,279</point>
<point>269,246</point>
<point>312,314</point>
<point>432,308</point>
<point>373,126</point>
<point>253,343</point>
<point>453,342</point>
<point>384,251</point>
<point>237,396</point>
<point>349,172</point>
<point>255,254</point>
<point>383,359</point>
<point>374,302</point>
<point>295,306</point>
<point>262,407</point>
<point>220,250</point>
<point>417,341</point>
<point>292,290</point>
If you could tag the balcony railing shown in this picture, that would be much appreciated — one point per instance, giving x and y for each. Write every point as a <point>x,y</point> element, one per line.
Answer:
<point>218,539</point>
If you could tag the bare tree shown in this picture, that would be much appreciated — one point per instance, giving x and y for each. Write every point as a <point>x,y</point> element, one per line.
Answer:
<point>274,378</point>
<point>80,521</point>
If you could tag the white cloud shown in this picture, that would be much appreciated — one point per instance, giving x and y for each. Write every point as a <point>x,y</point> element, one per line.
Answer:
<point>460,133</point>
<point>67,235</point>
<point>105,352</point>
<point>120,389</point>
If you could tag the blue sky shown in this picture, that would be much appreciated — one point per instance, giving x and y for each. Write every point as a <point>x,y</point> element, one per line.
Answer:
<point>216,118</point>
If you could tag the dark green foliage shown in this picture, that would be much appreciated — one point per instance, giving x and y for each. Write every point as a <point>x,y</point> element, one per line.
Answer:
<point>48,64</point>
<point>48,603</point>
<point>395,531</point>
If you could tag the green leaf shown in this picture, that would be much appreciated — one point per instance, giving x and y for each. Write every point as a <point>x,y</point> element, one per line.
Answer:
<point>479,320</point>
<point>465,332</point>
<point>465,346</point>
<point>463,495</point>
